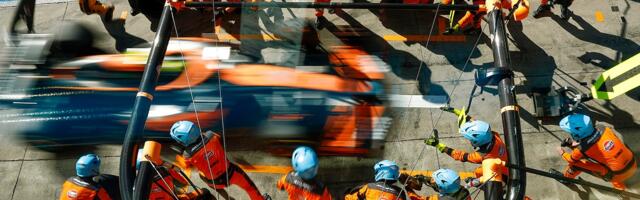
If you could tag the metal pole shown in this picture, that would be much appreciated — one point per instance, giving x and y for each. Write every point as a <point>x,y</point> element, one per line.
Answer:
<point>333,5</point>
<point>508,108</point>
<point>142,103</point>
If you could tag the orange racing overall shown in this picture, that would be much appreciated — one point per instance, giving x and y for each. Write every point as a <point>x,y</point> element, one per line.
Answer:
<point>471,19</point>
<point>170,182</point>
<point>93,7</point>
<point>300,189</point>
<point>79,188</point>
<point>215,169</point>
<point>495,149</point>
<point>376,191</point>
<point>603,155</point>
<point>462,194</point>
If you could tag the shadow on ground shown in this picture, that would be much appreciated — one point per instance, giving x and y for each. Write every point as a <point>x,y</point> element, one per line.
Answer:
<point>624,47</point>
<point>456,53</point>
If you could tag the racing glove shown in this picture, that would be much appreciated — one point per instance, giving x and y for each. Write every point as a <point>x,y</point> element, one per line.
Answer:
<point>423,179</point>
<point>472,182</point>
<point>433,141</point>
<point>567,142</point>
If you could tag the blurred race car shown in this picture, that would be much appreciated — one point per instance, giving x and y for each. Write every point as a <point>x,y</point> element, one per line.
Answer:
<point>88,100</point>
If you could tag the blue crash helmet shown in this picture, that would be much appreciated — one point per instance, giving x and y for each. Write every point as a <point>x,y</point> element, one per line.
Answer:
<point>305,162</point>
<point>477,132</point>
<point>88,166</point>
<point>447,180</point>
<point>386,170</point>
<point>578,125</point>
<point>185,132</point>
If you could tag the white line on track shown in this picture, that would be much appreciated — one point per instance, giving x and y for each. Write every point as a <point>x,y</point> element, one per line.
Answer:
<point>417,101</point>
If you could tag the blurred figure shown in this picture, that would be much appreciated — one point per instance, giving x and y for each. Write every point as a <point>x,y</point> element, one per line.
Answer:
<point>206,153</point>
<point>320,14</point>
<point>545,8</point>
<point>301,183</point>
<point>25,10</point>
<point>470,23</point>
<point>169,181</point>
<point>487,144</point>
<point>95,7</point>
<point>89,184</point>
<point>518,9</point>
<point>597,150</point>
<point>384,188</point>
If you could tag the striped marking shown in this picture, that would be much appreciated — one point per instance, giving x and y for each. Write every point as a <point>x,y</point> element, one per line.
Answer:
<point>390,37</point>
<point>618,80</point>
<point>424,38</point>
<point>509,108</point>
<point>13,3</point>
<point>442,25</point>
<point>417,101</point>
<point>272,169</point>
<point>145,94</point>
<point>599,16</point>
<point>265,169</point>
<point>463,175</point>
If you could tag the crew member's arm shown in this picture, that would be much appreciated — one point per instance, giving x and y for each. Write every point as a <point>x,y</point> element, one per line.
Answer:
<point>282,183</point>
<point>574,156</point>
<point>413,196</point>
<point>433,197</point>
<point>460,155</point>
<point>326,195</point>
<point>109,186</point>
<point>200,194</point>
<point>182,162</point>
<point>174,171</point>
<point>356,193</point>
<point>103,195</point>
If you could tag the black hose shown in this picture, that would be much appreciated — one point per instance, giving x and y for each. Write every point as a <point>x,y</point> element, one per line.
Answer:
<point>517,182</point>
<point>493,190</point>
<point>142,103</point>
<point>575,181</point>
<point>189,181</point>
<point>143,180</point>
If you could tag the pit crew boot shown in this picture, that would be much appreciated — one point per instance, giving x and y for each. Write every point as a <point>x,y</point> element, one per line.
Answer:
<point>108,15</point>
<point>542,11</point>
<point>565,13</point>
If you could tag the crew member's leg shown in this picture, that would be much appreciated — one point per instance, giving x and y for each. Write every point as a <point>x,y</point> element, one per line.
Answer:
<point>618,180</point>
<point>242,180</point>
<point>575,168</point>
<point>235,176</point>
<point>544,9</point>
<point>95,7</point>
